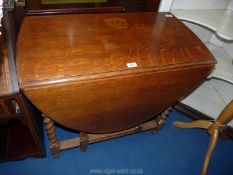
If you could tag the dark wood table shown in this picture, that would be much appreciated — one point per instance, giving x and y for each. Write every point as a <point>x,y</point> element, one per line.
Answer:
<point>20,129</point>
<point>106,73</point>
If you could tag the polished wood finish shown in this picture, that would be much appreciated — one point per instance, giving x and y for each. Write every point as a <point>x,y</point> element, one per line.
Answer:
<point>49,125</point>
<point>84,139</point>
<point>82,61</point>
<point>213,128</point>
<point>20,129</point>
<point>12,17</point>
<point>35,7</point>
<point>5,81</point>
<point>89,46</point>
<point>160,120</point>
<point>105,106</point>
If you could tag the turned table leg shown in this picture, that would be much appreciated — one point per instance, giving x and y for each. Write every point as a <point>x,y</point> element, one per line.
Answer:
<point>213,128</point>
<point>160,120</point>
<point>54,145</point>
<point>83,141</point>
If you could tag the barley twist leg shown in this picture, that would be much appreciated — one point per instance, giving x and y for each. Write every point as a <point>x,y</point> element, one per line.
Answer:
<point>160,120</point>
<point>54,145</point>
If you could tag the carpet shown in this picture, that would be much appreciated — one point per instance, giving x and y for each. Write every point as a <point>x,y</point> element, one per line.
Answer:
<point>170,151</point>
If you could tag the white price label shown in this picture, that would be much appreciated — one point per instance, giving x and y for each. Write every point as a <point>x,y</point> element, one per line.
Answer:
<point>133,64</point>
<point>168,15</point>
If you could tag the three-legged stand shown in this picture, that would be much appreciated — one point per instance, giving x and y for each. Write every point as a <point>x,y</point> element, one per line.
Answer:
<point>213,128</point>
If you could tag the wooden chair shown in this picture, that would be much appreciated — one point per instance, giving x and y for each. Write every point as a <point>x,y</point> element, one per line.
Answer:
<point>213,128</point>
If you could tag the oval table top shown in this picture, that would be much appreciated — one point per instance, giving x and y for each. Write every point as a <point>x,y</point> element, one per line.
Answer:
<point>58,47</point>
<point>102,73</point>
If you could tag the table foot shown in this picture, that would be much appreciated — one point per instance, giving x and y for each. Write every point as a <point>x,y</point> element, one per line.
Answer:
<point>204,124</point>
<point>54,145</point>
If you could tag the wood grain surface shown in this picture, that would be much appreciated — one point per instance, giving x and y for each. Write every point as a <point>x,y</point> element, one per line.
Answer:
<point>62,46</point>
<point>74,67</point>
<point>5,81</point>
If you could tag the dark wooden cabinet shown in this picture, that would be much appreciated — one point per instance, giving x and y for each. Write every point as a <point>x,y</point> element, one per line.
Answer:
<point>20,129</point>
<point>20,122</point>
<point>20,134</point>
<point>42,7</point>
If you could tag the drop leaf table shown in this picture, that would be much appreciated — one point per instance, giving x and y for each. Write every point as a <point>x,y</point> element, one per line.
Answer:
<point>107,75</point>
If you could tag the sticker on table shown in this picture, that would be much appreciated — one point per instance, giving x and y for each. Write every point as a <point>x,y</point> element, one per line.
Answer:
<point>168,15</point>
<point>131,65</point>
